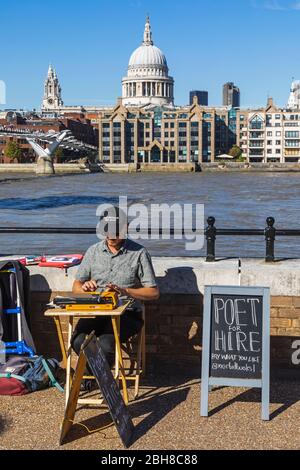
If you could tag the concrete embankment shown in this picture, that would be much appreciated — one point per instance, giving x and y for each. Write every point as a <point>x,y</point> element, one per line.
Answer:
<point>251,167</point>
<point>68,168</point>
<point>174,323</point>
<point>157,168</point>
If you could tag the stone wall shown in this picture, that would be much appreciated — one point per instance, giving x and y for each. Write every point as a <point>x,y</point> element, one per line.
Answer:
<point>174,323</point>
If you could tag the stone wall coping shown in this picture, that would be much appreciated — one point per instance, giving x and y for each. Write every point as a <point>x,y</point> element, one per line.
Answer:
<point>179,275</point>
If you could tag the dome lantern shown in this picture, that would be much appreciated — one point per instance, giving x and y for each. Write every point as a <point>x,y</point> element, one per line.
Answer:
<point>148,33</point>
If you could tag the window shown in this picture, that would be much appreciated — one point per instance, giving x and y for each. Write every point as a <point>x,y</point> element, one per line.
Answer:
<point>256,123</point>
<point>278,134</point>
<point>172,125</point>
<point>292,134</point>
<point>106,125</point>
<point>167,134</point>
<point>166,125</point>
<point>147,125</point>
<point>278,142</point>
<point>269,142</point>
<point>167,143</point>
<point>292,143</point>
<point>277,116</point>
<point>269,134</point>
<point>182,124</point>
<point>278,151</point>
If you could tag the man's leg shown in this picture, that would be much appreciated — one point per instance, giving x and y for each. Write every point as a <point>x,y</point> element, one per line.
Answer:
<point>84,327</point>
<point>131,325</point>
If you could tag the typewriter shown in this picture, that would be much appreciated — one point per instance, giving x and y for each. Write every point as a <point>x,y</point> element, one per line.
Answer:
<point>90,302</point>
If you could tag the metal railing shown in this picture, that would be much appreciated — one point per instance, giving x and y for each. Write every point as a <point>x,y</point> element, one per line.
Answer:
<point>211,233</point>
<point>270,233</point>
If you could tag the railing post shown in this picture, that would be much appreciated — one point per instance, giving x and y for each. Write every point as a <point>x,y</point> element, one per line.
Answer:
<point>211,234</point>
<point>270,234</point>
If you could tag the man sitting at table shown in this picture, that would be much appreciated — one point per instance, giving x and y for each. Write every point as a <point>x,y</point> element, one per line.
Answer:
<point>117,264</point>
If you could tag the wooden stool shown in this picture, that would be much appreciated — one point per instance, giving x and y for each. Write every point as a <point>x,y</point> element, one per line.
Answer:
<point>137,358</point>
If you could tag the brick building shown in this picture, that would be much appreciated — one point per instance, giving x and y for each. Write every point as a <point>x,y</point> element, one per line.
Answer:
<point>12,122</point>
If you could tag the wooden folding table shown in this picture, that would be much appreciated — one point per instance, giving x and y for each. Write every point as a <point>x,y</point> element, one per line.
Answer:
<point>57,314</point>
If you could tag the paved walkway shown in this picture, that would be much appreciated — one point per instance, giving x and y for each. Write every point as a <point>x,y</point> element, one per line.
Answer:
<point>166,417</point>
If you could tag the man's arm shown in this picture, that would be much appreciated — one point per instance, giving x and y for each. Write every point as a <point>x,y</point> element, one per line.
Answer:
<point>141,293</point>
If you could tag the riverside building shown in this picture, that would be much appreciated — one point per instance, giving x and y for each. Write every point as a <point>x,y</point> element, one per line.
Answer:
<point>146,127</point>
<point>269,134</point>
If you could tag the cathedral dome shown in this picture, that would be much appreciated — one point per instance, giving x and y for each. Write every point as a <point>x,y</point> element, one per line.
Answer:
<point>148,56</point>
<point>148,80</point>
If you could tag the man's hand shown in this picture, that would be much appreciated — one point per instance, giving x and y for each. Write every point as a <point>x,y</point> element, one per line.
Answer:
<point>84,287</point>
<point>89,286</point>
<point>142,293</point>
<point>117,289</point>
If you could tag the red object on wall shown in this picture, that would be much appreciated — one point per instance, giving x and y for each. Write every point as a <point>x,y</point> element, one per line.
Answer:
<point>62,262</point>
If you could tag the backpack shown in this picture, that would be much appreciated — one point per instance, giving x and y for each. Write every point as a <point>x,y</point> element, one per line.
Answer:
<point>38,374</point>
<point>12,387</point>
<point>43,373</point>
<point>11,380</point>
<point>16,365</point>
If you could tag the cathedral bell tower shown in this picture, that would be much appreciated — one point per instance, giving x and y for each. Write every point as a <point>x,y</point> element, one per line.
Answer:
<point>52,94</point>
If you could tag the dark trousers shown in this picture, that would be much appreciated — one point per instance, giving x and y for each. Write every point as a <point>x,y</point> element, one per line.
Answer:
<point>130,325</point>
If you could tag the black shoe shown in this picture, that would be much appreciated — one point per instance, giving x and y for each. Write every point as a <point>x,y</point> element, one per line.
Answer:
<point>86,385</point>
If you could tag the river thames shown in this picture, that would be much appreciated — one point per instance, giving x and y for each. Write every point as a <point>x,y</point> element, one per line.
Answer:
<point>236,200</point>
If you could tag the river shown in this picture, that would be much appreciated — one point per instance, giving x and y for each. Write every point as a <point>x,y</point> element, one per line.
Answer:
<point>236,200</point>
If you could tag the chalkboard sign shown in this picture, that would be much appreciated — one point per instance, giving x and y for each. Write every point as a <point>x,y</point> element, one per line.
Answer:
<point>236,340</point>
<point>236,336</point>
<point>110,391</point>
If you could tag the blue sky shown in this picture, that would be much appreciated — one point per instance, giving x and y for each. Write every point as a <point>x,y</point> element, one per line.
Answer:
<point>207,42</point>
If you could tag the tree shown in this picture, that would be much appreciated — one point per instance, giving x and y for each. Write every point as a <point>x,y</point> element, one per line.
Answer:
<point>235,152</point>
<point>13,150</point>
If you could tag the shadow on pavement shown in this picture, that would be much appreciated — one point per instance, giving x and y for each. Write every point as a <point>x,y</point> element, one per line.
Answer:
<point>152,410</point>
<point>284,394</point>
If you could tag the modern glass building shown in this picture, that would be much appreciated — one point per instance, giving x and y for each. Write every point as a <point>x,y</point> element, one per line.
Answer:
<point>201,95</point>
